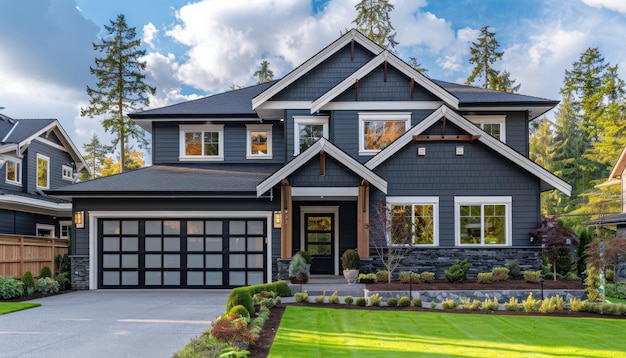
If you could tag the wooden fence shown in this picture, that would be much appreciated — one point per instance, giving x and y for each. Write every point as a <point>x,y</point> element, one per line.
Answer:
<point>19,254</point>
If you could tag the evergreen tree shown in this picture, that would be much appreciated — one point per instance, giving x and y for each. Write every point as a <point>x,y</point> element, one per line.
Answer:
<point>417,66</point>
<point>121,86</point>
<point>373,20</point>
<point>541,142</point>
<point>484,55</point>
<point>503,82</point>
<point>264,74</point>
<point>95,154</point>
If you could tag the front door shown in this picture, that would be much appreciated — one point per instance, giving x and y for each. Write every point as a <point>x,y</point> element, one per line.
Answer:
<point>319,241</point>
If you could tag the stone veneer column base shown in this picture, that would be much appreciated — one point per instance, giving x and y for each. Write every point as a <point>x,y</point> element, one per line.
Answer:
<point>79,268</point>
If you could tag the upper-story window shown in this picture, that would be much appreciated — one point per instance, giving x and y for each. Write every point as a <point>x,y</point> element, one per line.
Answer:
<point>494,125</point>
<point>14,171</point>
<point>377,130</point>
<point>307,130</point>
<point>43,172</point>
<point>259,141</point>
<point>203,142</point>
<point>67,172</point>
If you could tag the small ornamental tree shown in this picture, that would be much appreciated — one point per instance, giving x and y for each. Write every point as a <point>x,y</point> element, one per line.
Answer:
<point>554,239</point>
<point>614,248</point>
<point>391,234</point>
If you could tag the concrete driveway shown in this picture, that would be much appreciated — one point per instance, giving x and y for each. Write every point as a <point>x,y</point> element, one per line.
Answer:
<point>116,323</point>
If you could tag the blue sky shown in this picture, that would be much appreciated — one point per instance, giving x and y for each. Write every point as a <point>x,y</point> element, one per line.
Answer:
<point>195,48</point>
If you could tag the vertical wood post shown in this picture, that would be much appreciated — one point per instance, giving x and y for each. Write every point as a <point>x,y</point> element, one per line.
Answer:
<point>363,220</point>
<point>286,212</point>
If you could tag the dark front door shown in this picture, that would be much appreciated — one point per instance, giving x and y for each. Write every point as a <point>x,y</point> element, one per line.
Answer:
<point>319,241</point>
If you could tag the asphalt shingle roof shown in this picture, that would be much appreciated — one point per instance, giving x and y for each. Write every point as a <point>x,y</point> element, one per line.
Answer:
<point>22,129</point>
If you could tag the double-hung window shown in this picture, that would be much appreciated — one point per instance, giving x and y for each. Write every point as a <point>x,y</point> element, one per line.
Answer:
<point>43,172</point>
<point>483,221</point>
<point>259,141</point>
<point>202,143</point>
<point>13,171</point>
<point>67,172</point>
<point>307,130</point>
<point>415,220</point>
<point>494,125</point>
<point>377,130</point>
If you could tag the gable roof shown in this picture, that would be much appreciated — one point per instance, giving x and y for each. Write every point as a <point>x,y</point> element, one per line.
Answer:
<point>548,180</point>
<point>325,145</point>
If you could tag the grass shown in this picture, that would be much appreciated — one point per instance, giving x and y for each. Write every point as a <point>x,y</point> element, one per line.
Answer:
<point>321,332</point>
<point>616,300</point>
<point>8,307</point>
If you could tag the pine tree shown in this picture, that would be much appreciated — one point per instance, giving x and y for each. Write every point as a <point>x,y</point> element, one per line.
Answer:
<point>484,55</point>
<point>264,74</point>
<point>373,20</point>
<point>541,142</point>
<point>121,86</point>
<point>503,82</point>
<point>95,154</point>
<point>417,66</point>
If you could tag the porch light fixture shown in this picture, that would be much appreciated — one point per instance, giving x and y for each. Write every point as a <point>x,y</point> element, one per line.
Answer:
<point>278,220</point>
<point>79,219</point>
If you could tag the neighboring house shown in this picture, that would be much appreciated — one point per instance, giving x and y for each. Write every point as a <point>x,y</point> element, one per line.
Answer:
<point>36,155</point>
<point>242,180</point>
<point>617,177</point>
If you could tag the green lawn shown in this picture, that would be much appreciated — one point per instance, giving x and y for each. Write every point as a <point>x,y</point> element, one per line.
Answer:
<point>321,332</point>
<point>616,300</point>
<point>8,307</point>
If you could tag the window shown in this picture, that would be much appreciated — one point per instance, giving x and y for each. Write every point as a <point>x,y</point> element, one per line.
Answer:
<point>14,171</point>
<point>67,172</point>
<point>43,172</point>
<point>202,142</point>
<point>259,141</point>
<point>494,125</point>
<point>422,213</point>
<point>65,229</point>
<point>378,130</point>
<point>307,130</point>
<point>44,230</point>
<point>483,221</point>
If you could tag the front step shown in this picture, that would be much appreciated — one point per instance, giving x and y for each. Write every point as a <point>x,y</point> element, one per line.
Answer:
<point>329,283</point>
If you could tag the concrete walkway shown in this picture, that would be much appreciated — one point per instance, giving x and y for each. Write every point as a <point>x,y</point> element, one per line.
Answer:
<point>111,323</point>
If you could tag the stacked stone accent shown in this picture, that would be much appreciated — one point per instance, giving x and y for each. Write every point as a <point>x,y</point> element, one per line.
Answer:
<point>503,296</point>
<point>79,269</point>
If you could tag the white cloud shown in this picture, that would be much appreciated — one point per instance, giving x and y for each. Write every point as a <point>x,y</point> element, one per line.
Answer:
<point>617,5</point>
<point>149,34</point>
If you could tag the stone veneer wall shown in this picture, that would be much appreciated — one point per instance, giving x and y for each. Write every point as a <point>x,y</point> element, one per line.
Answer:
<point>79,269</point>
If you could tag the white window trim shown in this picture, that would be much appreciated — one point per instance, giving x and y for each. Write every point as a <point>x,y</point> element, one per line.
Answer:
<point>219,128</point>
<point>258,128</point>
<point>311,120</point>
<point>420,200</point>
<point>18,163</point>
<point>47,159</point>
<point>380,117</point>
<point>44,226</point>
<point>492,119</point>
<point>65,169</point>
<point>478,200</point>
<point>62,223</point>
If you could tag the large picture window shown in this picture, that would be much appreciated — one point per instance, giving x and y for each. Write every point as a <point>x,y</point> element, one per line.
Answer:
<point>420,213</point>
<point>259,141</point>
<point>202,142</point>
<point>483,221</point>
<point>494,125</point>
<point>378,130</point>
<point>43,172</point>
<point>14,171</point>
<point>307,130</point>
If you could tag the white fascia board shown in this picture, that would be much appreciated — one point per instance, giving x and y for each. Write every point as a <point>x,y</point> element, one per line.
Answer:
<point>21,203</point>
<point>314,61</point>
<point>8,148</point>
<point>618,169</point>
<point>311,152</point>
<point>407,70</point>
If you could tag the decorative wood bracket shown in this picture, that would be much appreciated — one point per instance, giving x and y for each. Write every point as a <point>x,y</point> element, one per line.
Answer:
<point>356,90</point>
<point>322,163</point>
<point>443,137</point>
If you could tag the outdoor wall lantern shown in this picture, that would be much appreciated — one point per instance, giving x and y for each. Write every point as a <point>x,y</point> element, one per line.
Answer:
<point>79,219</point>
<point>278,220</point>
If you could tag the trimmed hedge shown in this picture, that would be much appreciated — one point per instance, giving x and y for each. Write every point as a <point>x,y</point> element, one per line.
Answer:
<point>243,295</point>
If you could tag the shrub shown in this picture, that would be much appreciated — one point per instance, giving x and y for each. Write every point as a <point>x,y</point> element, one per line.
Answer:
<point>547,306</point>
<point>468,304</point>
<point>382,276</point>
<point>28,280</point>
<point>449,304</point>
<point>297,267</point>
<point>558,302</point>
<point>513,305</point>
<point>302,297</point>
<point>458,271</point>
<point>404,277</point>
<point>231,329</point>
<point>484,277</point>
<point>514,269</point>
<point>46,285</point>
<point>45,272</point>
<point>361,301</point>
<point>500,273</point>
<point>350,260</point>
<point>609,275</point>
<point>532,276</point>
<point>334,298</point>
<point>433,304</point>
<point>306,256</point>
<point>530,304</point>
<point>572,277</point>
<point>375,300</point>
<point>240,296</point>
<point>593,283</point>
<point>241,311</point>
<point>368,276</point>
<point>10,288</point>
<point>615,290</point>
<point>322,298</point>
<point>392,302</point>
<point>576,305</point>
<point>416,302</point>
<point>427,276</point>
<point>348,300</point>
<point>404,301</point>
<point>491,304</point>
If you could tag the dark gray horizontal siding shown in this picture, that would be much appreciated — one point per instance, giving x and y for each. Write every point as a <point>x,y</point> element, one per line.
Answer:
<point>336,175</point>
<point>326,75</point>
<point>57,159</point>
<point>23,223</point>
<point>517,132</point>
<point>165,143</point>
<point>479,172</point>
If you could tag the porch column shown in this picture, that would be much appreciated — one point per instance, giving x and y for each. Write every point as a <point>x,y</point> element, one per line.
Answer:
<point>286,240</point>
<point>363,220</point>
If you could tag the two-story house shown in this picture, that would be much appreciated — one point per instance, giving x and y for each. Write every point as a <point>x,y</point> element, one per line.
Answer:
<point>242,180</point>
<point>36,155</point>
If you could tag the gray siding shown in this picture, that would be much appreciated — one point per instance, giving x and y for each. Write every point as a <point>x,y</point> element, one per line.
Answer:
<point>22,223</point>
<point>57,159</point>
<point>336,175</point>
